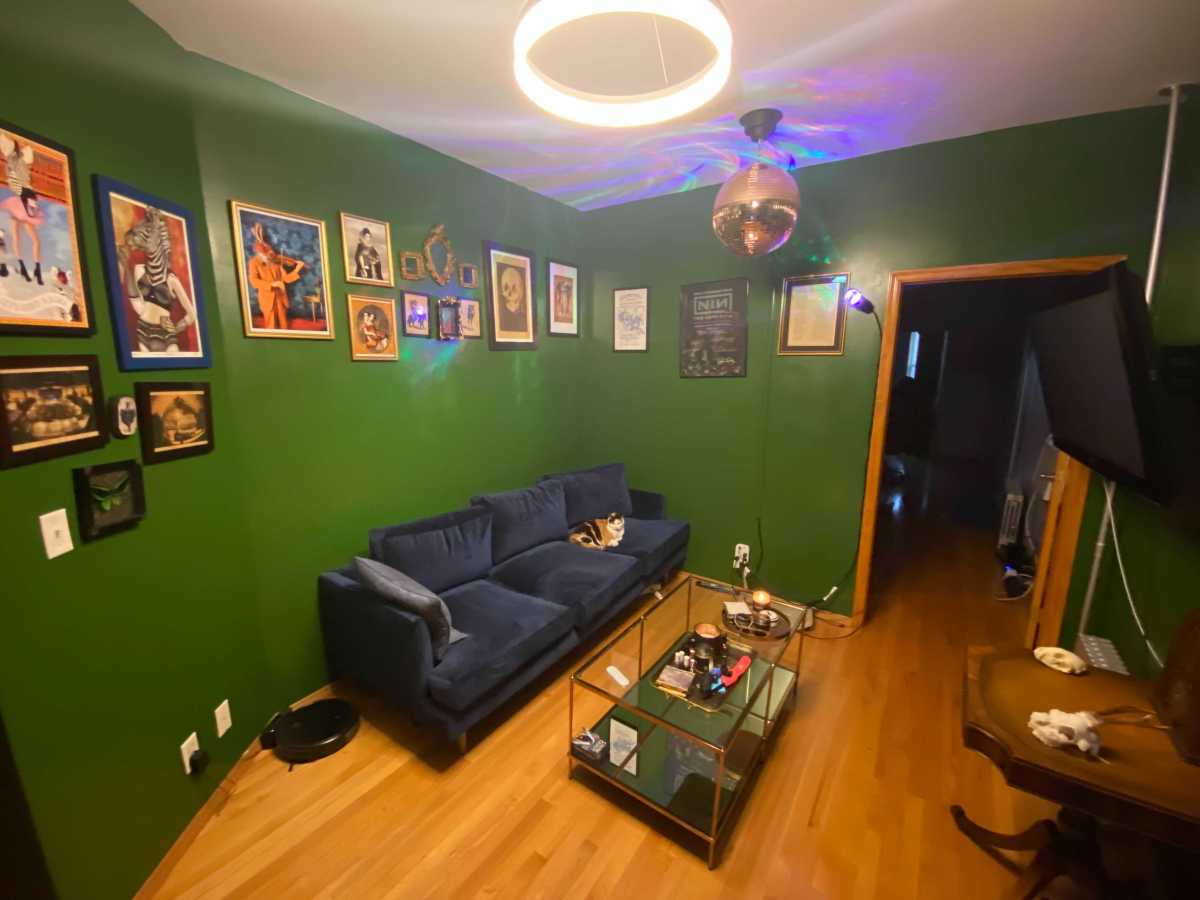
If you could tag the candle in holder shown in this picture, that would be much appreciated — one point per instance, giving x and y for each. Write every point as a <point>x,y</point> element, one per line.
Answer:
<point>762,602</point>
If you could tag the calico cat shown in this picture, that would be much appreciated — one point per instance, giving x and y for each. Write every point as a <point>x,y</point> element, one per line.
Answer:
<point>599,534</point>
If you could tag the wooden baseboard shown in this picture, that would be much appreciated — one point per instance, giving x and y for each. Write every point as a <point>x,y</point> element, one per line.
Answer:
<point>211,808</point>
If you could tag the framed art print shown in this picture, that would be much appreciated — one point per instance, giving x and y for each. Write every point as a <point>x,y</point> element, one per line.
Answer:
<point>631,320</point>
<point>511,307</point>
<point>372,327</point>
<point>470,321</point>
<point>563,290</point>
<point>109,498</point>
<point>43,277</point>
<point>448,325</point>
<point>712,329</point>
<point>367,250</point>
<point>416,315</point>
<point>151,266</point>
<point>176,420</point>
<point>53,405</point>
<point>283,273</point>
<point>812,315</point>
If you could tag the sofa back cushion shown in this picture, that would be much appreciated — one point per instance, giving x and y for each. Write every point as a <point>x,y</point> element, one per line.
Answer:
<point>594,493</point>
<point>525,518</point>
<point>410,595</point>
<point>440,552</point>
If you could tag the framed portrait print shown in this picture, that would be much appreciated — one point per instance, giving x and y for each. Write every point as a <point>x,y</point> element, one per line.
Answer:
<point>416,315</point>
<point>283,273</point>
<point>631,320</point>
<point>53,405</point>
<point>812,315</point>
<point>470,321</point>
<point>367,250</point>
<point>562,280</point>
<point>448,326</point>
<point>511,307</point>
<point>109,498</point>
<point>176,420</point>
<point>712,329</point>
<point>43,276</point>
<point>372,327</point>
<point>151,266</point>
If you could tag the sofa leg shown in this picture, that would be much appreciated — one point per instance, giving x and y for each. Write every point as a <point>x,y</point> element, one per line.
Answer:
<point>462,743</point>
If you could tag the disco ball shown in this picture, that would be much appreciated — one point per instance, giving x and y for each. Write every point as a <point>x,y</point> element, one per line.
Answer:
<point>756,210</point>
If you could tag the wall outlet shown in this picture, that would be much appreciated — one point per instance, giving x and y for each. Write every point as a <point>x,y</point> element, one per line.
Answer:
<point>186,749</point>
<point>223,717</point>
<point>741,555</point>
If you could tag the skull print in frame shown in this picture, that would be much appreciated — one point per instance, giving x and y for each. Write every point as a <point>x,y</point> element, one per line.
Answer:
<point>510,297</point>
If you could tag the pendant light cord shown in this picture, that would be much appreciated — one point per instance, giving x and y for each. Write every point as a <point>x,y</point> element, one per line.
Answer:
<point>661,59</point>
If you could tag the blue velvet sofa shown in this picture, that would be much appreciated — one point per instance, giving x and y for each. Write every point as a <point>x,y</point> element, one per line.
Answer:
<point>524,594</point>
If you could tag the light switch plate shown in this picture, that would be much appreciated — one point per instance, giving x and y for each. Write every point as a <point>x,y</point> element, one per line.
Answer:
<point>56,533</point>
<point>223,717</point>
<point>186,749</point>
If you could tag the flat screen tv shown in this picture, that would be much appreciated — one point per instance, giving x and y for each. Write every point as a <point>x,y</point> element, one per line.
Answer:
<point>1096,360</point>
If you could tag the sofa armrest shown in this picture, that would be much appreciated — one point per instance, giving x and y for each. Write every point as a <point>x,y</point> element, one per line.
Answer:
<point>375,642</point>
<point>648,504</point>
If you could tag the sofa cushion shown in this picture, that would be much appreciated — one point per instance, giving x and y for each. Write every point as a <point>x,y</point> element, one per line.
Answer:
<point>440,552</point>
<point>397,587</point>
<point>508,630</point>
<point>594,493</point>
<point>653,541</point>
<point>522,519</point>
<point>586,581</point>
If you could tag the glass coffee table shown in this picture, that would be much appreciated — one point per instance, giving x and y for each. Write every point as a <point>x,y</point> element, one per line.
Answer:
<point>689,756</point>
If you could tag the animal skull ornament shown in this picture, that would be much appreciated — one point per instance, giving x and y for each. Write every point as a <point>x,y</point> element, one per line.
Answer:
<point>1060,659</point>
<point>1062,729</point>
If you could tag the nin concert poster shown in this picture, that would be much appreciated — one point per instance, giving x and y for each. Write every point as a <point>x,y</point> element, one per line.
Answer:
<point>712,329</point>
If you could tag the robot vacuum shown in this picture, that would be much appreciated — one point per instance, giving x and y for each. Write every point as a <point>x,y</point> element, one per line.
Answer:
<point>311,732</point>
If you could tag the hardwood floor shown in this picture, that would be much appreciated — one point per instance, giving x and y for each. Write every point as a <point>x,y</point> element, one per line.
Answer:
<point>854,802</point>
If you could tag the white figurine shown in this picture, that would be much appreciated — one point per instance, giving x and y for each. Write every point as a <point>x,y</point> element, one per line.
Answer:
<point>1063,660</point>
<point>1062,729</point>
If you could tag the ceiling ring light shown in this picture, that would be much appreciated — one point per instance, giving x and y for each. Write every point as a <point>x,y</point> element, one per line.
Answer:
<point>544,16</point>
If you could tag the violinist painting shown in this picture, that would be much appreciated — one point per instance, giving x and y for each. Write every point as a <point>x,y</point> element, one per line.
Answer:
<point>150,262</point>
<point>282,273</point>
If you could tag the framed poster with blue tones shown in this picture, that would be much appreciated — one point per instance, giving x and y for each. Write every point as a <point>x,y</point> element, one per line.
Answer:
<point>152,268</point>
<point>283,267</point>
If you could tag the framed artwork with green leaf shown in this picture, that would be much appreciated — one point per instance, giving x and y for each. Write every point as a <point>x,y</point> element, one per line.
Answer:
<point>109,498</point>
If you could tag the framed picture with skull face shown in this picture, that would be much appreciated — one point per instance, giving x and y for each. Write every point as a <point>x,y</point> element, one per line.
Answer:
<point>510,285</point>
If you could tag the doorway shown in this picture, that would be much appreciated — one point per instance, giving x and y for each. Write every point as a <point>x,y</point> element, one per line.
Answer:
<point>931,303</point>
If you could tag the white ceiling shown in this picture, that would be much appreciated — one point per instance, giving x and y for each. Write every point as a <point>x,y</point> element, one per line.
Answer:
<point>852,77</point>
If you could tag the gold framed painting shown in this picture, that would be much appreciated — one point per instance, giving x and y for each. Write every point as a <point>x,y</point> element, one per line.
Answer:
<point>283,273</point>
<point>43,275</point>
<point>367,250</point>
<point>812,315</point>
<point>372,328</point>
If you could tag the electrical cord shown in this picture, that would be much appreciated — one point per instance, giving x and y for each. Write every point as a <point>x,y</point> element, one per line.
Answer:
<point>1109,490</point>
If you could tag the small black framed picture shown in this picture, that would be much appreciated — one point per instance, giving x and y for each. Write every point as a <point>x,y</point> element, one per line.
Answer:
<point>175,419</point>
<point>109,498</point>
<point>448,324</point>
<point>416,311</point>
<point>812,316</point>
<point>53,406</point>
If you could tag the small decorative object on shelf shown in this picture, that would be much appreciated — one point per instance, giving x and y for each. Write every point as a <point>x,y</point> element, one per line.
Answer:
<point>762,605</point>
<point>412,266</point>
<point>124,416</point>
<point>443,273</point>
<point>590,745</point>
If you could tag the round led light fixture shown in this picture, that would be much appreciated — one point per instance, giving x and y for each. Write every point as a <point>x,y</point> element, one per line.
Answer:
<point>544,16</point>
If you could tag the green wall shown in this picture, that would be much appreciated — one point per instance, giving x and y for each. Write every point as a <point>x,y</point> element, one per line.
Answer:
<point>111,655</point>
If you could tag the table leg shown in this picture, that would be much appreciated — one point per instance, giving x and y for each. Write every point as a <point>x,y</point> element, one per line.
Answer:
<point>1035,837</point>
<point>1046,866</point>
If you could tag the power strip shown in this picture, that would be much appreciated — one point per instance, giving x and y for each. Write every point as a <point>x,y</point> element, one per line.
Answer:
<point>1100,653</point>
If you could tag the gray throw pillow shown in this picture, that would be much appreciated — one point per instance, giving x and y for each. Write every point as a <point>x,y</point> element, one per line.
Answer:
<point>414,597</point>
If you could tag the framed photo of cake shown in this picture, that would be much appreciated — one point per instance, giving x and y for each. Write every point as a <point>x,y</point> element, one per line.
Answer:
<point>151,266</point>
<point>510,284</point>
<point>470,319</point>
<point>812,315</point>
<point>283,273</point>
<point>176,420</point>
<point>562,280</point>
<point>367,250</point>
<point>416,315</point>
<point>53,406</point>
<point>372,327</point>
<point>631,320</point>
<point>43,275</point>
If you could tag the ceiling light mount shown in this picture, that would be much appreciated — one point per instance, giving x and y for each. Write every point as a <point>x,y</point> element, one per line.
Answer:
<point>760,123</point>
<point>544,16</point>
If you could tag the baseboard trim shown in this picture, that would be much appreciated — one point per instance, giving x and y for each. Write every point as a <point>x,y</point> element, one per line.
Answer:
<point>211,808</point>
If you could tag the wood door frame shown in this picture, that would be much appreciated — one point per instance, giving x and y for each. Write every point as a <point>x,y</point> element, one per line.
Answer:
<point>1069,493</point>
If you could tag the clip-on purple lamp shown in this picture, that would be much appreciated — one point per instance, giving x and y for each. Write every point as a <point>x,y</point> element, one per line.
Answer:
<point>856,300</point>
